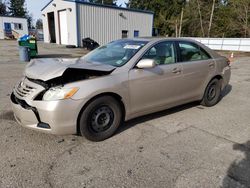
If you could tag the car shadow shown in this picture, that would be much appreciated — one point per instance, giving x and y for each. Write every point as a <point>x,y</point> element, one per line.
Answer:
<point>7,115</point>
<point>131,123</point>
<point>238,174</point>
<point>54,56</point>
<point>226,90</point>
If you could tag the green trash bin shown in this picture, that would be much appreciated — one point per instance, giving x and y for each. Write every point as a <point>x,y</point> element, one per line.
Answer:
<point>31,43</point>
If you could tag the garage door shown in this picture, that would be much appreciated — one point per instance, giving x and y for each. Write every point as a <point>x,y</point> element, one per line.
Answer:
<point>63,27</point>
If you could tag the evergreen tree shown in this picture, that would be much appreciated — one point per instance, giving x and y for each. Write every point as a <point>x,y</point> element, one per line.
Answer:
<point>39,24</point>
<point>17,8</point>
<point>2,8</point>
<point>198,18</point>
<point>30,20</point>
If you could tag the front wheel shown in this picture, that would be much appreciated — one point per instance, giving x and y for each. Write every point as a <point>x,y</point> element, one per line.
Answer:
<point>100,119</point>
<point>212,93</point>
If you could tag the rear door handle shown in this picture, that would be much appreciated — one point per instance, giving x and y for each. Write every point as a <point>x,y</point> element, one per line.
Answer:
<point>176,70</point>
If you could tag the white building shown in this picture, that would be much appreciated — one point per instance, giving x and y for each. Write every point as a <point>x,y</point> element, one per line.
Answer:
<point>69,21</point>
<point>13,27</point>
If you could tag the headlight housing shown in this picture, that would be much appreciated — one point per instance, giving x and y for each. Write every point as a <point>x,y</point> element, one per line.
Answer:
<point>59,93</point>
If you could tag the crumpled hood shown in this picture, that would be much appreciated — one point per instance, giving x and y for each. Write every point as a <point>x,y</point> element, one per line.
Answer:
<point>46,69</point>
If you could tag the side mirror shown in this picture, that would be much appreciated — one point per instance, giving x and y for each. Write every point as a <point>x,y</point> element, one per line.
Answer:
<point>146,64</point>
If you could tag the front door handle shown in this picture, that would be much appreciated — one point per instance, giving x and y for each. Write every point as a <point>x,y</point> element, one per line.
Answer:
<point>212,64</point>
<point>176,71</point>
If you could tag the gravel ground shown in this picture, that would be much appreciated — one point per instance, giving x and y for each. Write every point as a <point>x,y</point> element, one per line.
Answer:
<point>188,146</point>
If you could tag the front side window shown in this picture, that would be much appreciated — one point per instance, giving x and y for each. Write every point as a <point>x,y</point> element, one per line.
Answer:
<point>163,53</point>
<point>192,52</point>
<point>18,26</point>
<point>115,53</point>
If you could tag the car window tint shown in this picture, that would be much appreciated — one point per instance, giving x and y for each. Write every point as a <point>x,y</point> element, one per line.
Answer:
<point>204,54</point>
<point>163,53</point>
<point>192,52</point>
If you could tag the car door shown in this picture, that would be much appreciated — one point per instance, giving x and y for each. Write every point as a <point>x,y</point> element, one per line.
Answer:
<point>198,67</point>
<point>156,87</point>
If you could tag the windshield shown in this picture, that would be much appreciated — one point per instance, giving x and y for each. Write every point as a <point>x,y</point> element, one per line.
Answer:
<point>116,53</point>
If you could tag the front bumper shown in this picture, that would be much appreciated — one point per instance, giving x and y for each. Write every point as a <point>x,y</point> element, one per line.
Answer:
<point>54,117</point>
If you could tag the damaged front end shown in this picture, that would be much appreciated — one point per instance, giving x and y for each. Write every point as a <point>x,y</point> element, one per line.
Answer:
<point>70,75</point>
<point>51,73</point>
<point>37,98</point>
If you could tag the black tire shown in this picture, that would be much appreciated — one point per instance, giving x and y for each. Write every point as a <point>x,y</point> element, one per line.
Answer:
<point>212,93</point>
<point>100,119</point>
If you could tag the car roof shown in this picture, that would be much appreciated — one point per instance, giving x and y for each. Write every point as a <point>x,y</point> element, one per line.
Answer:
<point>155,39</point>
<point>166,38</point>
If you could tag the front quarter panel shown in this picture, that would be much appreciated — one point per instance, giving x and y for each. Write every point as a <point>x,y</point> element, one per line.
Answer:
<point>117,83</point>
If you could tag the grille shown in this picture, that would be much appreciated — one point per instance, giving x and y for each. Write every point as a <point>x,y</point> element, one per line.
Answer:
<point>23,89</point>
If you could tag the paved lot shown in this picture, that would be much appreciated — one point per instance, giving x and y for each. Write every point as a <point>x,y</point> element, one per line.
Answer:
<point>188,146</point>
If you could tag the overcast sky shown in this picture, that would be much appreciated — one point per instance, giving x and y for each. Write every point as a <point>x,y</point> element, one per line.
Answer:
<point>35,6</point>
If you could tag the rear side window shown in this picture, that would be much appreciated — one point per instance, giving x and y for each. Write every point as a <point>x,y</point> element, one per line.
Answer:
<point>192,52</point>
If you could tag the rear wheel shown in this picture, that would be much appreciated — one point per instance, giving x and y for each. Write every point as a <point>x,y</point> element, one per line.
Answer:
<point>212,93</point>
<point>100,119</point>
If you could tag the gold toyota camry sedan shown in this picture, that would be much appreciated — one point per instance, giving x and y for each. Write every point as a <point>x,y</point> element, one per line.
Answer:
<point>119,81</point>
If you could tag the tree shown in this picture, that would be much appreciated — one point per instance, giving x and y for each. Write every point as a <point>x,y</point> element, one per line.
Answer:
<point>30,20</point>
<point>167,13</point>
<point>39,24</point>
<point>3,10</point>
<point>205,18</point>
<point>141,4</point>
<point>200,16</point>
<point>17,8</point>
<point>182,3</point>
<point>242,10</point>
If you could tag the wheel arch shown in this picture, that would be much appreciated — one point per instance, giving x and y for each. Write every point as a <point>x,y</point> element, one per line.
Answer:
<point>203,99</point>
<point>116,96</point>
<point>219,77</point>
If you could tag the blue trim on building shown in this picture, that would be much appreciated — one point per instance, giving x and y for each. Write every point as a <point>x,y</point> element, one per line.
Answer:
<point>46,5</point>
<point>109,6</point>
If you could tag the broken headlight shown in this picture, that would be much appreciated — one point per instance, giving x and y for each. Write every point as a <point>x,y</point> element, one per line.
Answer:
<point>59,93</point>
